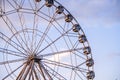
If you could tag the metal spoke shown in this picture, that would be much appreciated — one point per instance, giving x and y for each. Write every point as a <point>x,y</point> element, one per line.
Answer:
<point>21,72</point>
<point>41,70</point>
<point>31,71</point>
<point>46,72</point>
<point>35,73</point>
<point>27,71</point>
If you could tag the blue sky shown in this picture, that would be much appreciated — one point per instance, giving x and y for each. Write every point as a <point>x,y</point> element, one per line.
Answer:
<point>100,20</point>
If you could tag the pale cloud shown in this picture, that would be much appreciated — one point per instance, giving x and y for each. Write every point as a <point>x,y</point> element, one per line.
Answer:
<point>95,13</point>
<point>59,57</point>
<point>113,55</point>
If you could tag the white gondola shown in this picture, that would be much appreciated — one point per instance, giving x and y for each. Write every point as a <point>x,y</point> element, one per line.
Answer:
<point>37,0</point>
<point>76,27</point>
<point>90,75</point>
<point>82,38</point>
<point>68,18</point>
<point>59,9</point>
<point>49,3</point>
<point>90,62</point>
<point>87,50</point>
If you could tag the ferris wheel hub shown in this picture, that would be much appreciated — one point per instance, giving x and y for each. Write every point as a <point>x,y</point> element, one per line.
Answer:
<point>34,58</point>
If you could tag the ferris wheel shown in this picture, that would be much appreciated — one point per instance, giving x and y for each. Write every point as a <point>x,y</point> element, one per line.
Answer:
<point>41,40</point>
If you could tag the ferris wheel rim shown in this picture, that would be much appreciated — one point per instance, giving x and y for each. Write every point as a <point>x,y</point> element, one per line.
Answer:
<point>52,41</point>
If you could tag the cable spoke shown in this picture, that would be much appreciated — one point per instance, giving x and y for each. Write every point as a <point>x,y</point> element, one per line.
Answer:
<point>64,65</point>
<point>13,45</point>
<point>10,52</point>
<point>22,2</point>
<point>45,33</point>
<point>53,41</point>
<point>13,71</point>
<point>15,35</point>
<point>11,4</point>
<point>58,75</point>
<point>11,61</point>
<point>22,25</point>
<point>33,32</point>
<point>78,75</point>
<point>61,52</point>
<point>13,31</point>
<point>16,3</point>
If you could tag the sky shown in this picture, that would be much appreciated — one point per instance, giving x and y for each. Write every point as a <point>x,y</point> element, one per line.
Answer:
<point>100,20</point>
